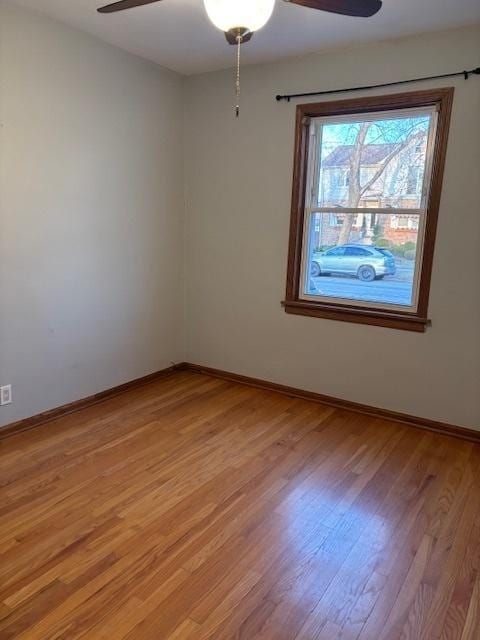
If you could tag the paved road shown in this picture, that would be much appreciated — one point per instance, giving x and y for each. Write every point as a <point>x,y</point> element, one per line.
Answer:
<point>395,289</point>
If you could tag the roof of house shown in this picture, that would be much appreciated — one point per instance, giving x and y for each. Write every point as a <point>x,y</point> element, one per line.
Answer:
<point>371,154</point>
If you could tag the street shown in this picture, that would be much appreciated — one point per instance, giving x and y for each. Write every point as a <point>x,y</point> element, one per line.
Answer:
<point>395,289</point>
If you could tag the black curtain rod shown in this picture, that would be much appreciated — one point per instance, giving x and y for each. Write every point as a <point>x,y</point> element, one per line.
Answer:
<point>465,74</point>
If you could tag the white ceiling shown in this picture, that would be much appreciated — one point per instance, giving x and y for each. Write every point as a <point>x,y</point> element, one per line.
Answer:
<point>178,34</point>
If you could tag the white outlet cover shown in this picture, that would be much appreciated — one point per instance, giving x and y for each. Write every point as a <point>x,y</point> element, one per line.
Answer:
<point>6,395</point>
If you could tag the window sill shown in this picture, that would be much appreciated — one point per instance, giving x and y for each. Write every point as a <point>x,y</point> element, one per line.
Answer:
<point>389,319</point>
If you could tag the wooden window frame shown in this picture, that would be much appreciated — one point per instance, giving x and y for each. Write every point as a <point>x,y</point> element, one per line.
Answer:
<point>412,321</point>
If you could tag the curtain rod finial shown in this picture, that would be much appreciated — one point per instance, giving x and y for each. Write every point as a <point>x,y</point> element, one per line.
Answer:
<point>467,74</point>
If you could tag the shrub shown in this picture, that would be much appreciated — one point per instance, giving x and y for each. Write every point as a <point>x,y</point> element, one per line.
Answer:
<point>383,242</point>
<point>405,250</point>
<point>377,233</point>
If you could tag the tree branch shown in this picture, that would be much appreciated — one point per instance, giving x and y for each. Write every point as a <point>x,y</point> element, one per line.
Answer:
<point>402,146</point>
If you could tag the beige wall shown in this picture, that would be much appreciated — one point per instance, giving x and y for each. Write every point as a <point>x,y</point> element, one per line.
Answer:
<point>91,187</point>
<point>238,203</point>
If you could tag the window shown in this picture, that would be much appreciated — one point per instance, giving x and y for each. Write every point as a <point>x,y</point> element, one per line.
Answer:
<point>334,220</point>
<point>404,222</point>
<point>338,251</point>
<point>413,179</point>
<point>366,175</point>
<point>361,248</point>
<point>339,178</point>
<point>357,251</point>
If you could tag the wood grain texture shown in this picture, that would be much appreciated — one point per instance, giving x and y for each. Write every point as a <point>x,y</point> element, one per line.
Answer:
<point>473,435</point>
<point>196,508</point>
<point>47,416</point>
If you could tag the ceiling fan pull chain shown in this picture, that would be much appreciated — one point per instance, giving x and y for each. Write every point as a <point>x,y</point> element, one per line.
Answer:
<point>237,80</point>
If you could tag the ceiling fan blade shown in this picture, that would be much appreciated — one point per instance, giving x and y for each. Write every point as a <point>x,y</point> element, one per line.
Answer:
<point>360,8</point>
<point>124,4</point>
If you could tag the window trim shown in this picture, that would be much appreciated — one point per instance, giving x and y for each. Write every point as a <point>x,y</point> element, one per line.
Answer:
<point>442,99</point>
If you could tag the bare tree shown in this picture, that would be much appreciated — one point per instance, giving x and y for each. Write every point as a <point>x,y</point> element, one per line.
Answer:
<point>355,188</point>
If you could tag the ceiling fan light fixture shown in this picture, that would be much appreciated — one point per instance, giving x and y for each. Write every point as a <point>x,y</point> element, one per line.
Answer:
<point>239,19</point>
<point>251,15</point>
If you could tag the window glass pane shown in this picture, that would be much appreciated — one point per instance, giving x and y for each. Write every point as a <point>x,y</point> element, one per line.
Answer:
<point>377,263</point>
<point>373,163</point>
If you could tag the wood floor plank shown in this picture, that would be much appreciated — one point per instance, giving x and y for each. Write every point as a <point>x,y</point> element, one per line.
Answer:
<point>199,509</point>
<point>472,623</point>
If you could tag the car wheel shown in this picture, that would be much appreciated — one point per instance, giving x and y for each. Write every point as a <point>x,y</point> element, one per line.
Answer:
<point>366,273</point>
<point>315,270</point>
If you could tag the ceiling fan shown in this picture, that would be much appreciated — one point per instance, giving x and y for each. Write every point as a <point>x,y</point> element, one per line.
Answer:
<point>239,19</point>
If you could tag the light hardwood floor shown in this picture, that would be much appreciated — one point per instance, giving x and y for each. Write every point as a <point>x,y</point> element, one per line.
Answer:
<point>195,508</point>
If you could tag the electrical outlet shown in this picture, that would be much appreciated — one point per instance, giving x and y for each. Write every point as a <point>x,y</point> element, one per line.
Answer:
<point>6,395</point>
